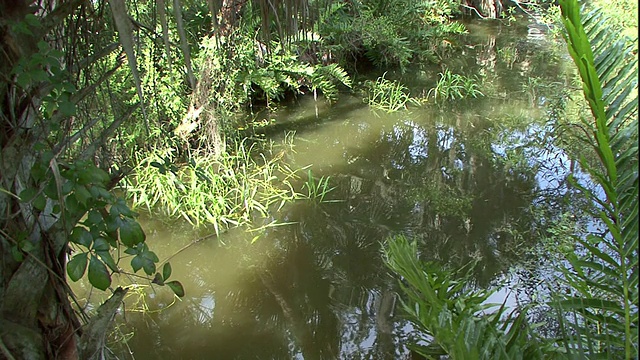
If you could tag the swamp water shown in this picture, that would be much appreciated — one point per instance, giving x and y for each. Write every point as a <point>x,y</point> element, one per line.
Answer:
<point>469,179</point>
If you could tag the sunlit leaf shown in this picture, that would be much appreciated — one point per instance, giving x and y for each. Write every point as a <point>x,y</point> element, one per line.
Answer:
<point>106,257</point>
<point>100,244</point>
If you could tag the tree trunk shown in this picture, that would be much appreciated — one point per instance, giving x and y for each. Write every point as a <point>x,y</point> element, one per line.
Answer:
<point>229,15</point>
<point>37,320</point>
<point>486,8</point>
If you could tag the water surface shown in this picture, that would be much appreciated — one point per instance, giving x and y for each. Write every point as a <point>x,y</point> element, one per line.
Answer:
<point>467,179</point>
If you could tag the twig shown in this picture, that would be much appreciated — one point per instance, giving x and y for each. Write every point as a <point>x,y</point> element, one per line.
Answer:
<point>518,4</point>
<point>476,10</point>
<point>6,351</point>
<point>193,242</point>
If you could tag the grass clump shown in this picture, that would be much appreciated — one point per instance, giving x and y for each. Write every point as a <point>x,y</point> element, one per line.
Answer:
<point>224,191</point>
<point>387,95</point>
<point>316,188</point>
<point>452,86</point>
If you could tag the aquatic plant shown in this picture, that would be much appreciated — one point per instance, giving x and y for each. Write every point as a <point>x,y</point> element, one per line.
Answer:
<point>317,189</point>
<point>387,95</point>
<point>452,86</point>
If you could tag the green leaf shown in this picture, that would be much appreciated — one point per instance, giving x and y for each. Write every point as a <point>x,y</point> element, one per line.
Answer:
<point>166,271</point>
<point>106,257</point>
<point>131,233</point>
<point>81,236</point>
<point>67,187</point>
<point>177,287</point>
<point>148,265</point>
<point>120,208</point>
<point>72,205</point>
<point>16,253</point>
<point>82,194</point>
<point>28,194</point>
<point>67,108</point>
<point>98,274</point>
<point>100,244</point>
<point>40,202</point>
<point>38,172</point>
<point>136,263</point>
<point>76,266</point>
<point>94,217</point>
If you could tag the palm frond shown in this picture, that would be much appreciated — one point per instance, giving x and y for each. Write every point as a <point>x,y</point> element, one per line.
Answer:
<point>604,279</point>
<point>454,319</point>
<point>123,24</point>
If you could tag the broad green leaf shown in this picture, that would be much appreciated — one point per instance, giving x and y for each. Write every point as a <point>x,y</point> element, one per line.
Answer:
<point>72,205</point>
<point>98,274</point>
<point>82,194</point>
<point>131,233</point>
<point>67,108</point>
<point>16,253</point>
<point>38,172</point>
<point>94,217</point>
<point>77,266</point>
<point>67,187</point>
<point>177,287</point>
<point>40,202</point>
<point>148,265</point>
<point>81,236</point>
<point>51,189</point>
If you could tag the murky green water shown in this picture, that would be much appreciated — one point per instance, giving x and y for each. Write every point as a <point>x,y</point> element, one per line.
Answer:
<point>463,178</point>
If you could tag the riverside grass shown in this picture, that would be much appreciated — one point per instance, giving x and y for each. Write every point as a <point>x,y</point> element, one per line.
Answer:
<point>224,191</point>
<point>595,294</point>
